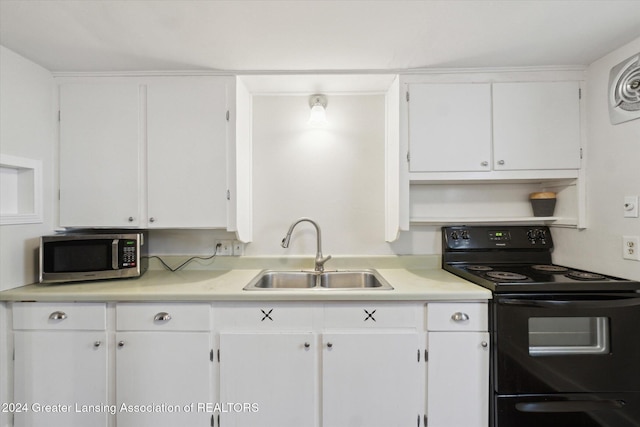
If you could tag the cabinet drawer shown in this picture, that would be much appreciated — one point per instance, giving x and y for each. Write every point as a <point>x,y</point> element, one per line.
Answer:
<point>163,317</point>
<point>264,317</point>
<point>457,316</point>
<point>370,315</point>
<point>60,316</point>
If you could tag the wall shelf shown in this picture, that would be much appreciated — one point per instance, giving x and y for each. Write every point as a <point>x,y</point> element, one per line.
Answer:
<point>472,220</point>
<point>21,189</point>
<point>496,202</point>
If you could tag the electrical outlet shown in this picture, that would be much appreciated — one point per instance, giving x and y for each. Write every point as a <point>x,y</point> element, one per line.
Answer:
<point>631,247</point>
<point>238,248</point>
<point>225,249</point>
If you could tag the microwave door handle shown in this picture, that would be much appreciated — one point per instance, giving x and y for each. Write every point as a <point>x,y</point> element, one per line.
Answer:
<point>596,303</point>
<point>114,254</point>
<point>570,406</point>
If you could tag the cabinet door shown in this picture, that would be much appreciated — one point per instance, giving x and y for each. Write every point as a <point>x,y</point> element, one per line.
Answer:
<point>458,379</point>
<point>187,137</point>
<point>450,127</point>
<point>536,125</point>
<point>163,368</point>
<point>100,155</point>
<point>275,371</point>
<point>371,380</point>
<point>67,370</point>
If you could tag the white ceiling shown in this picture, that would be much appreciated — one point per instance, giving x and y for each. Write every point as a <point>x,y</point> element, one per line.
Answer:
<point>295,35</point>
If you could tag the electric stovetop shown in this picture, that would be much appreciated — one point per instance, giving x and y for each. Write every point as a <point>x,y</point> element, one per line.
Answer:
<point>517,259</point>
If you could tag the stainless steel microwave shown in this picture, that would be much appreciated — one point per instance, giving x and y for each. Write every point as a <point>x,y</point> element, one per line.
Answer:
<point>93,255</point>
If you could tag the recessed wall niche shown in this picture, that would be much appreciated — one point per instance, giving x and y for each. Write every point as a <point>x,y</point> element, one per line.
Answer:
<point>20,190</point>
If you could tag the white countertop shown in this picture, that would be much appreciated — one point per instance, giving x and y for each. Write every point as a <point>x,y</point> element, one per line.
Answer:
<point>410,284</point>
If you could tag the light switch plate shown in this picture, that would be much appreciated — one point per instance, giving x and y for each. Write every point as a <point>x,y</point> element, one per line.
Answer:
<point>631,206</point>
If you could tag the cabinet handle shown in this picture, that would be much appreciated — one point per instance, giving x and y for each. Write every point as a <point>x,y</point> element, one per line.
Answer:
<point>120,344</point>
<point>330,345</point>
<point>162,317</point>
<point>501,162</point>
<point>152,219</point>
<point>485,163</point>
<point>131,219</point>
<point>307,345</point>
<point>97,344</point>
<point>484,344</point>
<point>459,317</point>
<point>58,315</point>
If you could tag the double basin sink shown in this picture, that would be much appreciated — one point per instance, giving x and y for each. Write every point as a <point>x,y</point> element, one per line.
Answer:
<point>334,280</point>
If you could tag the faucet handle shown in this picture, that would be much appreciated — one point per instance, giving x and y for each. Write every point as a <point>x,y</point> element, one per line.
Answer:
<point>320,260</point>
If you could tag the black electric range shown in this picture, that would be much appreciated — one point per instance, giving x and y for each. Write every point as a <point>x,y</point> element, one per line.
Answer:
<point>565,342</point>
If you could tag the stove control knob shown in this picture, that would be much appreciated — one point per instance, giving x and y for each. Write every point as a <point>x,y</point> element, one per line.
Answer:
<point>541,234</point>
<point>454,235</point>
<point>531,234</point>
<point>465,234</point>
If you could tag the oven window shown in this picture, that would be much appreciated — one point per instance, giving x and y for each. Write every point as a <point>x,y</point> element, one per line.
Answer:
<point>568,335</point>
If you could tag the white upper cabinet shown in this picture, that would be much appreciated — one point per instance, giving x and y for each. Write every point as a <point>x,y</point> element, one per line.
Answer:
<point>450,127</point>
<point>494,127</point>
<point>101,148</point>
<point>186,157</point>
<point>147,152</point>
<point>536,125</point>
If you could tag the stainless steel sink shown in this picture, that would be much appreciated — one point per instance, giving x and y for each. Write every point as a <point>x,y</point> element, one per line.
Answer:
<point>329,280</point>
<point>270,279</point>
<point>361,279</point>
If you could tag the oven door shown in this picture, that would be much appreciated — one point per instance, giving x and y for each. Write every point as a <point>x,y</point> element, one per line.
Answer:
<point>569,410</point>
<point>566,343</point>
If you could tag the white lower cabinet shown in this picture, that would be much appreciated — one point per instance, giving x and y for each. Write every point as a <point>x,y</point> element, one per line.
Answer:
<point>298,364</point>
<point>371,379</point>
<point>458,379</point>
<point>275,373</point>
<point>458,365</point>
<point>163,365</point>
<point>333,365</point>
<point>60,366</point>
<point>159,375</point>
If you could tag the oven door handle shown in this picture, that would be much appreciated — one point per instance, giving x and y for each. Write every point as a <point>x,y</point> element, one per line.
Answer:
<point>570,406</point>
<point>596,303</point>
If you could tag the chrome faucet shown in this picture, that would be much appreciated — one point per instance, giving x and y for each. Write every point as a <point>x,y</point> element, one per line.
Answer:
<point>320,260</point>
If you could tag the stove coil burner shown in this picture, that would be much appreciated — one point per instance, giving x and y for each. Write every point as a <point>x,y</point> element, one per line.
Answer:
<point>505,275</point>
<point>583,275</point>
<point>479,268</point>
<point>550,268</point>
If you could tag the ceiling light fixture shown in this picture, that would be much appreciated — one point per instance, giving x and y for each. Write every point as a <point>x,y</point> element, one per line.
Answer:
<point>318,116</point>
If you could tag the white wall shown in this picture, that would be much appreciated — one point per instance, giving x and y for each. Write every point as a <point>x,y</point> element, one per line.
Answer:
<point>612,171</point>
<point>26,130</point>
<point>334,175</point>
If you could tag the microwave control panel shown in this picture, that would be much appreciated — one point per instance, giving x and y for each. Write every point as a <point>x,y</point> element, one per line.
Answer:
<point>128,253</point>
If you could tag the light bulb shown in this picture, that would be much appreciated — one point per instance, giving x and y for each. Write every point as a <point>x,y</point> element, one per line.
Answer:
<point>318,116</point>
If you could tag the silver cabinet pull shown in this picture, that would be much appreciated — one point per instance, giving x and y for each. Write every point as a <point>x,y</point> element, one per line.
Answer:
<point>484,344</point>
<point>329,344</point>
<point>97,344</point>
<point>130,219</point>
<point>152,219</point>
<point>459,317</point>
<point>501,162</point>
<point>162,317</point>
<point>485,163</point>
<point>120,344</point>
<point>58,315</point>
<point>307,345</point>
